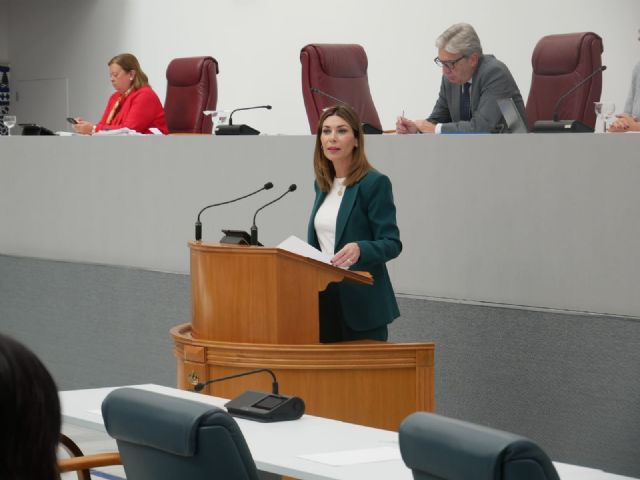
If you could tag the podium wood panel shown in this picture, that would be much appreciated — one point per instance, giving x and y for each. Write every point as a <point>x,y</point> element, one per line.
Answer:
<point>369,383</point>
<point>258,295</point>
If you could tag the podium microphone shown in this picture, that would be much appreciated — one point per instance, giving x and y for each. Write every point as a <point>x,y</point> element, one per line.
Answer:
<point>242,129</point>
<point>254,228</point>
<point>557,125</point>
<point>266,186</point>
<point>260,406</point>
<point>366,127</point>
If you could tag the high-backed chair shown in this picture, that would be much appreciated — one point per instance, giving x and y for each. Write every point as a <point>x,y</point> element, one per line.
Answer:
<point>339,70</point>
<point>559,62</point>
<point>192,87</point>
<point>442,448</point>
<point>163,437</point>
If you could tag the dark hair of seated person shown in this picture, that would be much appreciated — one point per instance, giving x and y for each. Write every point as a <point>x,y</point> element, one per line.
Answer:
<point>29,415</point>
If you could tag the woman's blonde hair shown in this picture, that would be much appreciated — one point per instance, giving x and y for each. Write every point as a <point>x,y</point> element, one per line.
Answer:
<point>128,62</point>
<point>322,166</point>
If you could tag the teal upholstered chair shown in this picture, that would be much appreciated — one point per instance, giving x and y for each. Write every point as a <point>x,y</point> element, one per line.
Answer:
<point>441,448</point>
<point>161,437</point>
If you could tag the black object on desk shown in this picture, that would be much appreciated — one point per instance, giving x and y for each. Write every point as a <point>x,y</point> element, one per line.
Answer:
<point>33,129</point>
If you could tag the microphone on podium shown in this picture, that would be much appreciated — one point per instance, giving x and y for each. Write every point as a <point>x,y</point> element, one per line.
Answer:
<point>260,406</point>
<point>254,228</point>
<point>242,129</point>
<point>366,127</point>
<point>560,126</point>
<point>266,186</point>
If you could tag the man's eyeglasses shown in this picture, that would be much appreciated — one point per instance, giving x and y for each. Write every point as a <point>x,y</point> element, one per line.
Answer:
<point>449,64</point>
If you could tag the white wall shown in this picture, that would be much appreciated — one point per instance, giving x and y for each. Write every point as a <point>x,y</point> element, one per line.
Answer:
<point>532,220</point>
<point>257,44</point>
<point>4,31</point>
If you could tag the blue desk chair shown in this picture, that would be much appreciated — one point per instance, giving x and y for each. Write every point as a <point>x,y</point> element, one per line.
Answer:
<point>441,448</point>
<point>161,437</point>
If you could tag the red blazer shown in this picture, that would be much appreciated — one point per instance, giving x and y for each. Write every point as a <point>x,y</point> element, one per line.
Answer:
<point>140,111</point>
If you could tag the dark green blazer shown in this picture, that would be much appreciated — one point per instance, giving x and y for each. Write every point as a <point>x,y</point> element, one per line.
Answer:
<point>367,216</point>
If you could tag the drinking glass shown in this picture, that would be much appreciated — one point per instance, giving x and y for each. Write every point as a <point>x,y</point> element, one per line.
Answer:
<point>9,122</point>
<point>605,111</point>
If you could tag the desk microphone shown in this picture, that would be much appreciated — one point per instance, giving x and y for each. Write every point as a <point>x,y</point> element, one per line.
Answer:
<point>254,228</point>
<point>260,406</point>
<point>366,127</point>
<point>242,129</point>
<point>561,126</point>
<point>578,85</point>
<point>267,186</point>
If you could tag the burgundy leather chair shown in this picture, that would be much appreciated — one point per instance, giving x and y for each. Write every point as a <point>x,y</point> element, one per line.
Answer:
<point>339,70</point>
<point>559,62</point>
<point>191,88</point>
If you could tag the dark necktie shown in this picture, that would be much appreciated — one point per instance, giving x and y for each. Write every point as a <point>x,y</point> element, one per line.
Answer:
<point>465,103</point>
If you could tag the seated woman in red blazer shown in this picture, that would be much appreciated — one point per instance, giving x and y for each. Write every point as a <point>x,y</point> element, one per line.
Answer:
<point>133,105</point>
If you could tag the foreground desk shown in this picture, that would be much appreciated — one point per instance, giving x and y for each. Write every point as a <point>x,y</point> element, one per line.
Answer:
<point>257,307</point>
<point>275,446</point>
<point>278,447</point>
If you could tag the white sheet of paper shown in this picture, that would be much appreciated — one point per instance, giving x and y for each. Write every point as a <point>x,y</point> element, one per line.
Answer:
<point>295,245</point>
<point>116,132</point>
<point>355,457</point>
<point>568,472</point>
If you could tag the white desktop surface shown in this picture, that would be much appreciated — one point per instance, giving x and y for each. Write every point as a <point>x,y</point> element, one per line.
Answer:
<point>277,447</point>
<point>274,446</point>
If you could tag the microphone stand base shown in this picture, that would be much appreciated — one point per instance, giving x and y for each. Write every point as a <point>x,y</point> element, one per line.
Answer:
<point>369,129</point>
<point>561,126</point>
<point>266,407</point>
<point>236,130</point>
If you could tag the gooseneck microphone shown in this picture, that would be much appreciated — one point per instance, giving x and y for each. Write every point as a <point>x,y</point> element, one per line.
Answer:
<point>254,228</point>
<point>274,384</point>
<point>266,186</point>
<point>366,127</point>
<point>268,107</point>
<point>576,87</point>
<point>232,129</point>
<point>260,406</point>
<point>325,94</point>
<point>566,126</point>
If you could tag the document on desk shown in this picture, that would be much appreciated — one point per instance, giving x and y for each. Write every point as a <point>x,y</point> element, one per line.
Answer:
<point>296,245</point>
<point>355,457</point>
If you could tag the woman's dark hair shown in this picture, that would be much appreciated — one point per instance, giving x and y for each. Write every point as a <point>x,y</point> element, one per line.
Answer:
<point>29,415</point>
<point>322,166</point>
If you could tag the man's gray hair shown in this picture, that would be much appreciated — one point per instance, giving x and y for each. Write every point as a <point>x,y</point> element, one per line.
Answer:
<point>460,38</point>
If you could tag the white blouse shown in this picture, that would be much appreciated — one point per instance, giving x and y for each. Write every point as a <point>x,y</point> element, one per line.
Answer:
<point>327,215</point>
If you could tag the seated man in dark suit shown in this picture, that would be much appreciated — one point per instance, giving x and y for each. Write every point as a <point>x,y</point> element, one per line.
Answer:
<point>471,84</point>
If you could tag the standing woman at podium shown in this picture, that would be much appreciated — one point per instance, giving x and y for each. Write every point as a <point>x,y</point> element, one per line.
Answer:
<point>354,219</point>
<point>133,105</point>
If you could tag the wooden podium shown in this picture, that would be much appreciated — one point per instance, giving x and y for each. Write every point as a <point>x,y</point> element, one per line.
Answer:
<point>256,307</point>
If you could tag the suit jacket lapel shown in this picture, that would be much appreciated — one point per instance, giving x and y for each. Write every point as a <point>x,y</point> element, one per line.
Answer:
<point>346,206</point>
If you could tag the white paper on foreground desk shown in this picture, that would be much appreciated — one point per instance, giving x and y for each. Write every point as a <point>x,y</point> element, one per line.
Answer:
<point>295,245</point>
<point>355,457</point>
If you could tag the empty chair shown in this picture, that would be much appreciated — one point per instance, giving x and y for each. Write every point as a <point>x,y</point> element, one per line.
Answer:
<point>436,447</point>
<point>192,87</point>
<point>339,70</point>
<point>559,62</point>
<point>163,437</point>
